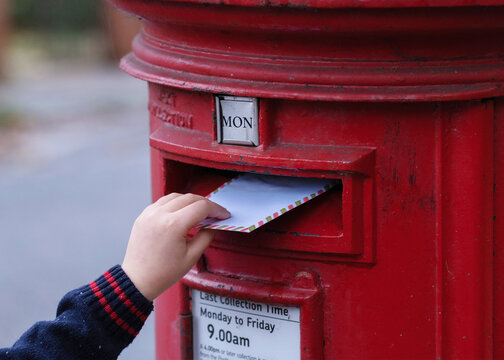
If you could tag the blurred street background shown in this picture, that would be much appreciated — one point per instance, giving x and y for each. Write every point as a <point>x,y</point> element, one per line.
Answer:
<point>74,160</point>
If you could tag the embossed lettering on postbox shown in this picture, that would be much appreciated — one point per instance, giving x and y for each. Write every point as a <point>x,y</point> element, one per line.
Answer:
<point>237,120</point>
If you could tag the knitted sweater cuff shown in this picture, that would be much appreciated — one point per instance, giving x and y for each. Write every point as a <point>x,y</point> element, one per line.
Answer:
<point>117,303</point>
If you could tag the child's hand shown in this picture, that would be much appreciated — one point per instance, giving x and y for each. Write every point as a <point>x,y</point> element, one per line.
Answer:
<point>158,252</point>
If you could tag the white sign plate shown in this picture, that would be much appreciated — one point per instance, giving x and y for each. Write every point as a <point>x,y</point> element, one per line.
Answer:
<point>237,120</point>
<point>228,329</point>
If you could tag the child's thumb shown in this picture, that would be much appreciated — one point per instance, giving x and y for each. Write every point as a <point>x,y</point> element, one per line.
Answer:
<point>197,245</point>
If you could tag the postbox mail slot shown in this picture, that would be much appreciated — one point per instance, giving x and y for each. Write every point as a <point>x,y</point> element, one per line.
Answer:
<point>319,218</point>
<point>334,223</point>
<point>337,222</point>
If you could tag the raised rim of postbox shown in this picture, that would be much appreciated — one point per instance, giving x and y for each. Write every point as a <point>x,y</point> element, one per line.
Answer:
<point>135,67</point>
<point>202,151</point>
<point>328,4</point>
<point>433,92</point>
<point>454,71</point>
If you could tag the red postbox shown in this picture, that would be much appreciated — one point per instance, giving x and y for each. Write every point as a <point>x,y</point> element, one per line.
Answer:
<point>400,102</point>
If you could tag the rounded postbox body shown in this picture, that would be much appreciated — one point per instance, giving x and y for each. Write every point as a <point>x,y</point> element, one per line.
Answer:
<point>400,102</point>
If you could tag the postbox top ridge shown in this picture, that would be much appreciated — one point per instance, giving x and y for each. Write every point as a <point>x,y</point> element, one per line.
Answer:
<point>327,4</point>
<point>253,49</point>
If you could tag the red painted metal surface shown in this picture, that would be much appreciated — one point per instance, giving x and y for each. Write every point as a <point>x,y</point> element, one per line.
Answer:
<point>401,101</point>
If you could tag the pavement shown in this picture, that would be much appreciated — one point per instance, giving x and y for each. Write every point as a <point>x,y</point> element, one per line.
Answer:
<point>74,175</point>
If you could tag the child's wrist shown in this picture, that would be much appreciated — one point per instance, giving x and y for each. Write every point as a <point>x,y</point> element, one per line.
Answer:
<point>139,283</point>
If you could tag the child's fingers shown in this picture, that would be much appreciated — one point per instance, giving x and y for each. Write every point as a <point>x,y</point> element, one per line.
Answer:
<point>198,211</point>
<point>166,199</point>
<point>197,245</point>
<point>181,202</point>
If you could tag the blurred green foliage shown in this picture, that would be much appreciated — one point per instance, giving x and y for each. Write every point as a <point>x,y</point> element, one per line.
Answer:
<point>55,15</point>
<point>8,119</point>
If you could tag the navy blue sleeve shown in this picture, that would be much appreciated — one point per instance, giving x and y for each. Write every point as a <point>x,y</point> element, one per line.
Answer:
<point>96,321</point>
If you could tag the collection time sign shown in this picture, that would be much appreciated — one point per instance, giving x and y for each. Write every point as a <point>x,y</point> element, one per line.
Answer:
<point>235,329</point>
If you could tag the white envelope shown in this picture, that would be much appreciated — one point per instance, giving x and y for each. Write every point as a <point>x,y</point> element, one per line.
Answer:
<point>254,200</point>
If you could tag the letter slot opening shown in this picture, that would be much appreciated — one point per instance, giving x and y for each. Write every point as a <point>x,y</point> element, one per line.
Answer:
<point>331,223</point>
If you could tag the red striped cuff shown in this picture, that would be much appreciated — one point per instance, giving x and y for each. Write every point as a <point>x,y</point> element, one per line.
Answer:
<point>117,303</point>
